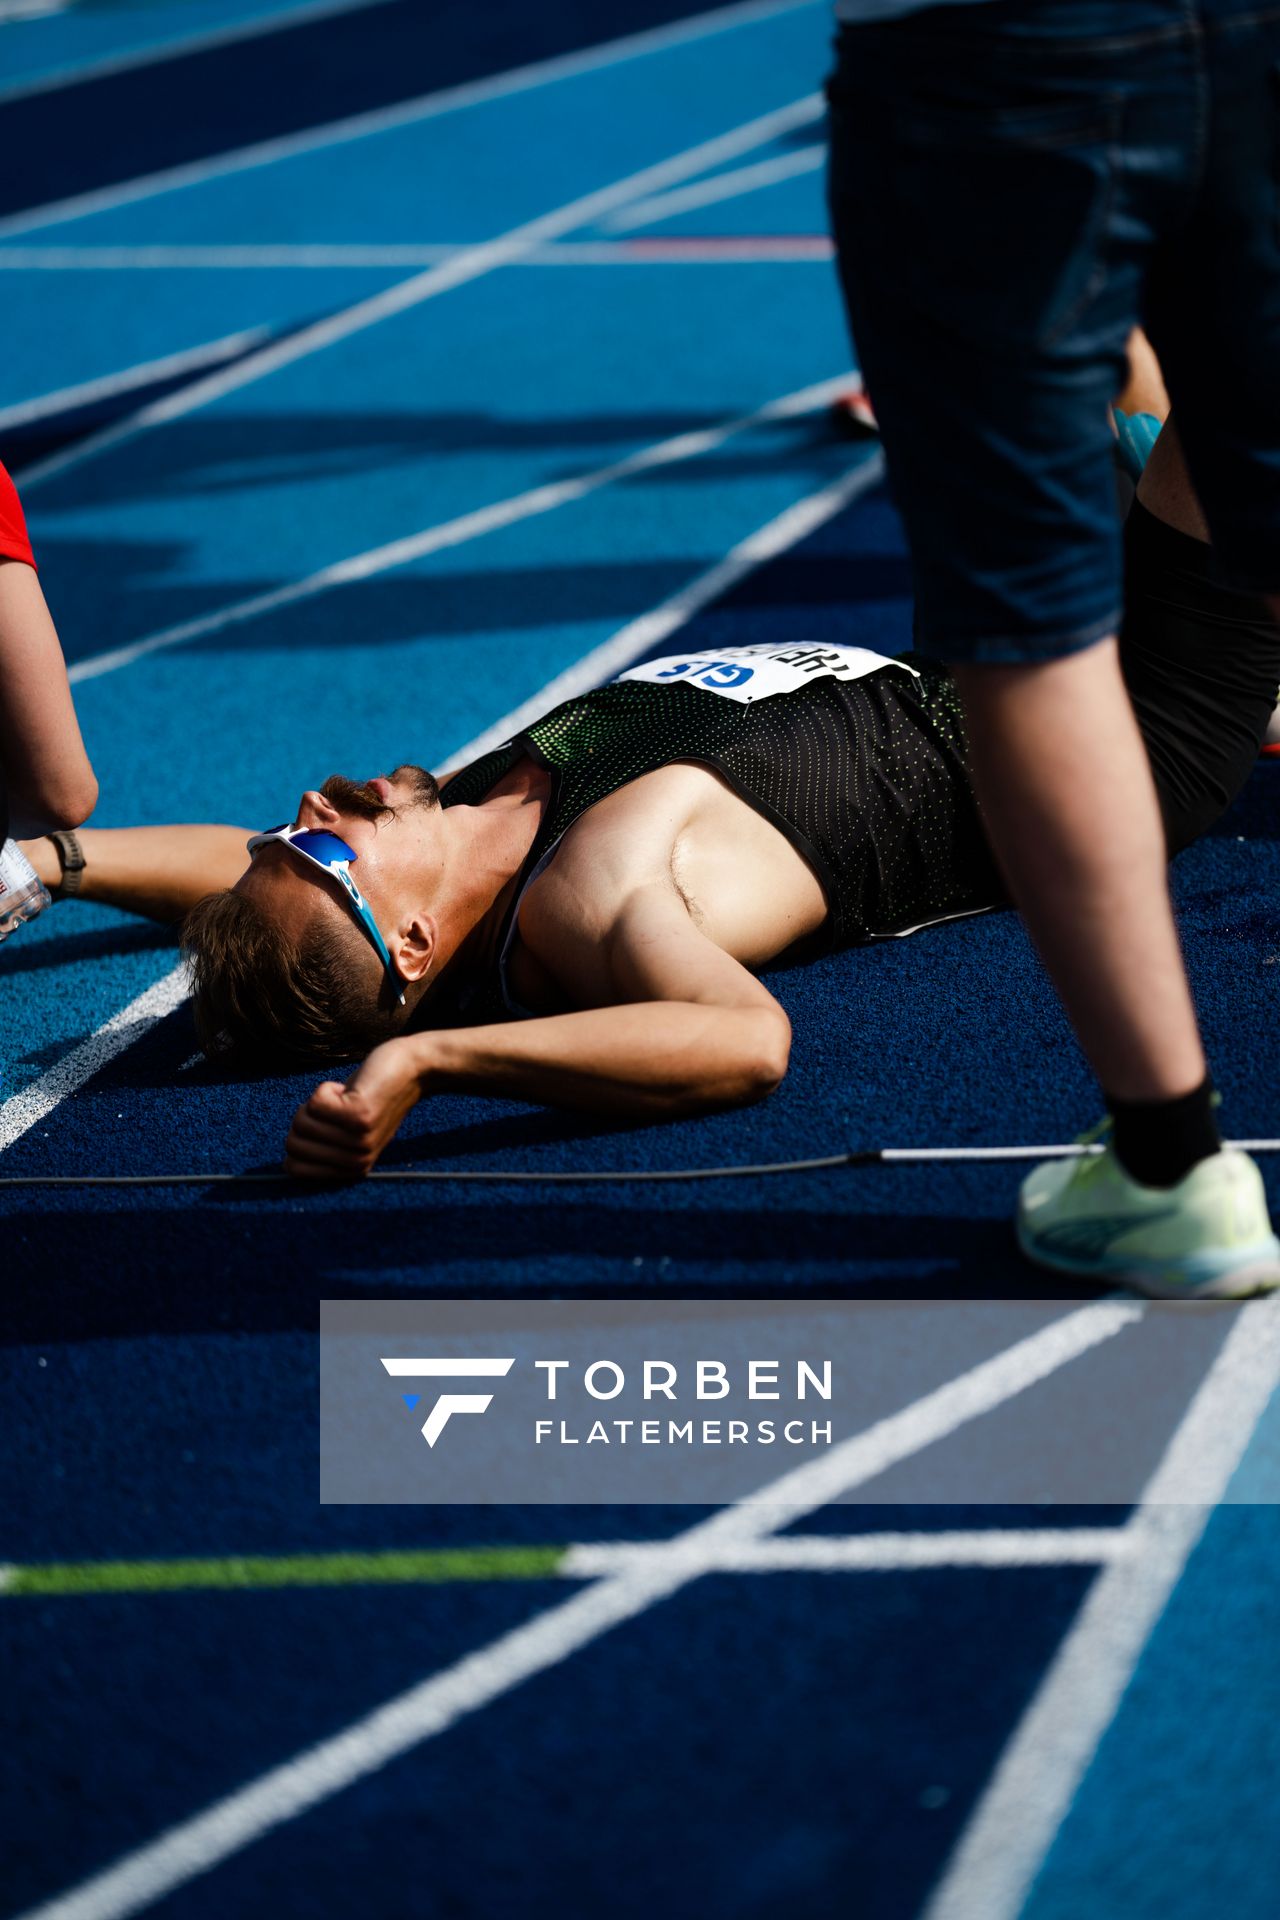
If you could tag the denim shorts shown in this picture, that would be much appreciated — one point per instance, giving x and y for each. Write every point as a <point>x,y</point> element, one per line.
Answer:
<point>1014,185</point>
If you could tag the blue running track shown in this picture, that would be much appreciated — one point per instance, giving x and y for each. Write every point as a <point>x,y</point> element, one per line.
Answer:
<point>287,286</point>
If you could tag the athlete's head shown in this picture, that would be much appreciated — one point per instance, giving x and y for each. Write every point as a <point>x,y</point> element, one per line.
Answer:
<point>284,970</point>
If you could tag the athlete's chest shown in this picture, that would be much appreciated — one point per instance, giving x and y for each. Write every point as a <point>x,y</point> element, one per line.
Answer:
<point>682,829</point>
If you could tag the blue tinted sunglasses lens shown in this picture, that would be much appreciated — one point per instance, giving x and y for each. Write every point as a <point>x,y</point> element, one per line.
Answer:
<point>324,847</point>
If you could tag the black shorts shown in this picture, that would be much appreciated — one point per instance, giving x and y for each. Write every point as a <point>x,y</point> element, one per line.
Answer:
<point>1202,664</point>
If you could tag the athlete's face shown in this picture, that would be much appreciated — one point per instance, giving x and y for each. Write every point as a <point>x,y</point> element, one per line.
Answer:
<point>392,824</point>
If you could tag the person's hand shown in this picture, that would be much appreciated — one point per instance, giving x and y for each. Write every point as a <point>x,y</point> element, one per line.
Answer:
<point>339,1132</point>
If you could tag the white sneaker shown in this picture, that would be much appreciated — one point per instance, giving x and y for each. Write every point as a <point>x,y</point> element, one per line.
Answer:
<point>1208,1237</point>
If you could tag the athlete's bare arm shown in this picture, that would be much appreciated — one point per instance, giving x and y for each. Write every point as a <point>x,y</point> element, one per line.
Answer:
<point>687,1028</point>
<point>159,872</point>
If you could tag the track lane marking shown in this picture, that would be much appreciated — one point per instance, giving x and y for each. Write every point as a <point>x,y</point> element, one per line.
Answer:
<point>306,256</point>
<point>144,373</point>
<point>159,51</point>
<point>426,106</point>
<point>23,1109</point>
<point>194,1846</point>
<point>244,1573</point>
<point>722,186</point>
<point>794,524</point>
<point>995,1547</point>
<point>31,9</point>
<point>467,265</point>
<point>895,1552</point>
<point>456,532</point>
<point>1009,1835</point>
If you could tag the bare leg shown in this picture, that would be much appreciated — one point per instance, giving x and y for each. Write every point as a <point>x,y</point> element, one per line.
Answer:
<point>159,872</point>
<point>1055,752</point>
<point>1071,811</point>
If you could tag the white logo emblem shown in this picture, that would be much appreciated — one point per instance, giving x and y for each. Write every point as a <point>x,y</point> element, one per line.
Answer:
<point>432,1368</point>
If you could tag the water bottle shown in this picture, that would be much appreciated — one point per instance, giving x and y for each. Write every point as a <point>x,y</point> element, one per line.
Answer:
<point>22,894</point>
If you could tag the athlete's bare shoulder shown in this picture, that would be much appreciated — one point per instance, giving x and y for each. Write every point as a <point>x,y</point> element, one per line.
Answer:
<point>619,849</point>
<point>681,840</point>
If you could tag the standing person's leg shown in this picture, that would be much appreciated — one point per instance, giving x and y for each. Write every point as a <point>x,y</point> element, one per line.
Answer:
<point>1070,808</point>
<point>994,238</point>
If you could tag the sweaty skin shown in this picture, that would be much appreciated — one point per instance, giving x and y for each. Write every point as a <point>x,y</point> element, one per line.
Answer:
<point>633,950</point>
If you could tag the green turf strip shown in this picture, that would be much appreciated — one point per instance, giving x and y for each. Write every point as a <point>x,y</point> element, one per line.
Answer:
<point>286,1570</point>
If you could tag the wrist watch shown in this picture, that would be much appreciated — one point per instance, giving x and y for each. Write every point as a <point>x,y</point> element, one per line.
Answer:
<point>71,856</point>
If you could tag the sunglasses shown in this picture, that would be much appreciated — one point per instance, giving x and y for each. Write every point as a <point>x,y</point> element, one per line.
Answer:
<point>334,857</point>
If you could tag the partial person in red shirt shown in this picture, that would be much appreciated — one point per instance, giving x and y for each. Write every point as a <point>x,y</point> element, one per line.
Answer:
<point>46,780</point>
<point>47,785</point>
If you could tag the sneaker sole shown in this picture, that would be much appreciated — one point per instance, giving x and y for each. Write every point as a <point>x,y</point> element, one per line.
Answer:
<point>1214,1275</point>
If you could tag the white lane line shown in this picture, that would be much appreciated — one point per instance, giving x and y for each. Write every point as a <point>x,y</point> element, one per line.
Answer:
<point>703,249</point>
<point>699,250</point>
<point>873,1552</point>
<point>1014,1824</point>
<point>431,1708</point>
<point>149,56</point>
<point>724,186</point>
<point>216,258</point>
<point>900,1436</point>
<point>455,533</point>
<point>467,265</point>
<point>427,106</point>
<point>23,1109</point>
<point>790,527</point>
<point>192,360</point>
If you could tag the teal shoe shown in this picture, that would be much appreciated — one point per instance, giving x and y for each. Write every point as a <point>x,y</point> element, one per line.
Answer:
<point>1208,1237</point>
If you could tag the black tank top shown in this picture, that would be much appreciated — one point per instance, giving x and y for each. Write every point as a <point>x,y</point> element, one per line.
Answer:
<point>866,778</point>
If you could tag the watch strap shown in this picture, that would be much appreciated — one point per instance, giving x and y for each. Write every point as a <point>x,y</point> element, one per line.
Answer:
<point>71,856</point>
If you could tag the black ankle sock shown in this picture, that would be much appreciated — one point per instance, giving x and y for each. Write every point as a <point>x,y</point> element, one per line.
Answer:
<point>1157,1142</point>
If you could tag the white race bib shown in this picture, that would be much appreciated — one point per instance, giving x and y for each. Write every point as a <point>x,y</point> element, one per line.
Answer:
<point>757,673</point>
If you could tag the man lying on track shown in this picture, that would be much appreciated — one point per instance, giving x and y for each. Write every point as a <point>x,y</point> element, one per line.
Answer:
<point>616,874</point>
